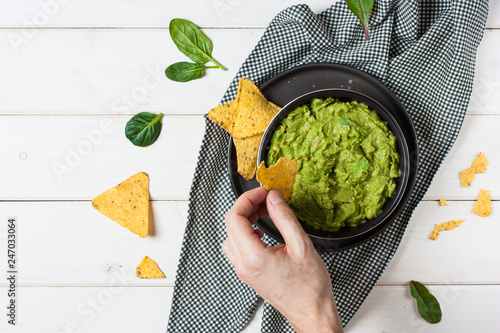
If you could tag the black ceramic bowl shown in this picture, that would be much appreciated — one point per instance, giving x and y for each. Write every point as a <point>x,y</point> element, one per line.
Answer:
<point>294,85</point>
<point>348,234</point>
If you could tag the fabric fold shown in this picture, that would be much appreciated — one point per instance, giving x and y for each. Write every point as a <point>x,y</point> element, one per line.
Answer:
<point>424,51</point>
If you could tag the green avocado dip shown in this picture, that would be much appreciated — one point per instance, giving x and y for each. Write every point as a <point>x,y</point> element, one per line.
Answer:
<point>347,161</point>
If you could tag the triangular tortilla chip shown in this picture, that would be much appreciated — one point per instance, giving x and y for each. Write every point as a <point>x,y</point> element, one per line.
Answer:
<point>127,204</point>
<point>148,269</point>
<point>482,207</point>
<point>224,115</point>
<point>280,176</point>
<point>254,112</point>
<point>480,163</point>
<point>247,150</point>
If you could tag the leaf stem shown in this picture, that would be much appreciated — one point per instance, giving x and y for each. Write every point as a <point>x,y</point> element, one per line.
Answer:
<point>157,119</point>
<point>218,64</point>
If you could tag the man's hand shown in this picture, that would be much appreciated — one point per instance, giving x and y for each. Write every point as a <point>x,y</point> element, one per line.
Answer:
<point>291,277</point>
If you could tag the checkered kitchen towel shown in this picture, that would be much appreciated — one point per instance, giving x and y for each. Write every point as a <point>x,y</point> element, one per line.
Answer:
<point>424,51</point>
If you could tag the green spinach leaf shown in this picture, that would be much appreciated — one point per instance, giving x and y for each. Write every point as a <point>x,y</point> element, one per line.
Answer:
<point>362,9</point>
<point>185,71</point>
<point>428,305</point>
<point>192,42</point>
<point>143,129</point>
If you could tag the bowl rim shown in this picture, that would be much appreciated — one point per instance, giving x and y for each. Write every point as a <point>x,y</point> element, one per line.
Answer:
<point>383,221</point>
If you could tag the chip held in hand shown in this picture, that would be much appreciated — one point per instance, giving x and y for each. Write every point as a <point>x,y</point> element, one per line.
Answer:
<point>280,176</point>
<point>127,204</point>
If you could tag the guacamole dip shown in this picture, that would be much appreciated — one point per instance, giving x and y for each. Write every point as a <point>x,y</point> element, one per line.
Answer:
<point>347,162</point>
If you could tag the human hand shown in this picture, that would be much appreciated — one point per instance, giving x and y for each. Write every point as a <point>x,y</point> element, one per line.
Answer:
<point>292,276</point>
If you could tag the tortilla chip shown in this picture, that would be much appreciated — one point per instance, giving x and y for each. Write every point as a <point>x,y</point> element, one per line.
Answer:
<point>435,233</point>
<point>247,150</point>
<point>480,163</point>
<point>280,176</point>
<point>246,116</point>
<point>148,269</point>
<point>254,112</point>
<point>442,202</point>
<point>127,204</point>
<point>482,207</point>
<point>224,115</point>
<point>245,119</point>
<point>466,177</point>
<point>451,224</point>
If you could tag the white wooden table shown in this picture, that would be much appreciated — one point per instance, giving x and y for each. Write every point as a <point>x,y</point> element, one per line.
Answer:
<point>72,72</point>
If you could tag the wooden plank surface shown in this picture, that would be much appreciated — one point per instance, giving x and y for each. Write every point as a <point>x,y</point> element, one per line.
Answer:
<point>67,159</point>
<point>110,308</point>
<point>75,71</point>
<point>134,309</point>
<point>93,71</point>
<point>157,13</point>
<point>72,244</point>
<point>146,14</point>
<point>96,71</point>
<point>465,309</point>
<point>77,158</point>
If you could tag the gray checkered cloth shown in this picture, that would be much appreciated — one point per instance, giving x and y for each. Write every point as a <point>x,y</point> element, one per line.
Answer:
<point>424,51</point>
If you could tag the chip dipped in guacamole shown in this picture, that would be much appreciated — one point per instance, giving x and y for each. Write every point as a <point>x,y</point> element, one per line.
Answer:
<point>347,162</point>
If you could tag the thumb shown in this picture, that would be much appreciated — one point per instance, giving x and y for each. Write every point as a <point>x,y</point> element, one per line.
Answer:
<point>286,221</point>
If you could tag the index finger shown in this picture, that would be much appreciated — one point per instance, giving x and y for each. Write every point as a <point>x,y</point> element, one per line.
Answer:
<point>238,223</point>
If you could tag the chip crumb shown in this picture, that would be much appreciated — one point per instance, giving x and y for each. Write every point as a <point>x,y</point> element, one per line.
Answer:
<point>149,269</point>
<point>442,202</point>
<point>451,224</point>
<point>482,207</point>
<point>435,233</point>
<point>445,226</point>
<point>466,177</point>
<point>480,163</point>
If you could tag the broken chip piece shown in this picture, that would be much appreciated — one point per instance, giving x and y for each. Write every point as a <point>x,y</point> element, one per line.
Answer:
<point>442,202</point>
<point>450,225</point>
<point>280,176</point>
<point>480,163</point>
<point>466,177</point>
<point>149,269</point>
<point>482,207</point>
<point>435,233</point>
<point>127,204</point>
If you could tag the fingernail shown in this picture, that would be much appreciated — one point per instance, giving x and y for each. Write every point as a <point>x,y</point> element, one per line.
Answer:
<point>275,197</point>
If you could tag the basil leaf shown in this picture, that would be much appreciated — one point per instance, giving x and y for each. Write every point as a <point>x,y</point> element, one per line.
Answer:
<point>192,42</point>
<point>428,305</point>
<point>362,9</point>
<point>143,129</point>
<point>185,71</point>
